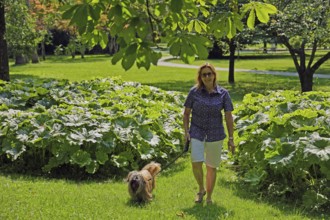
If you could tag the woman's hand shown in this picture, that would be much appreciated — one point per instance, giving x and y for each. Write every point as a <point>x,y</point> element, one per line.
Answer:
<point>186,136</point>
<point>231,146</point>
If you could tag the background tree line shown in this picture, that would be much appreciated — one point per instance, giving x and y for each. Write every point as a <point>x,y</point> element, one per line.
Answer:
<point>190,29</point>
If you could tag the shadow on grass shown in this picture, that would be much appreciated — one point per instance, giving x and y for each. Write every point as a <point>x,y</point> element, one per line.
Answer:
<point>203,211</point>
<point>257,83</point>
<point>28,77</point>
<point>136,204</point>
<point>78,59</point>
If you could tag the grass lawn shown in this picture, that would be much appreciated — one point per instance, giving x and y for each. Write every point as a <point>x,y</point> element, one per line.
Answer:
<point>167,78</point>
<point>271,62</point>
<point>27,197</point>
<point>24,197</point>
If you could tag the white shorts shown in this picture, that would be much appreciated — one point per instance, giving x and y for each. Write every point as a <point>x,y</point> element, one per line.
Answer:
<point>208,152</point>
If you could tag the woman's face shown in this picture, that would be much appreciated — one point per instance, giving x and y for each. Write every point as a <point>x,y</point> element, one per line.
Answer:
<point>207,77</point>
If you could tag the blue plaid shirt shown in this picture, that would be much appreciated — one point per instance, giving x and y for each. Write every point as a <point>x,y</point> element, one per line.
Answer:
<point>206,120</point>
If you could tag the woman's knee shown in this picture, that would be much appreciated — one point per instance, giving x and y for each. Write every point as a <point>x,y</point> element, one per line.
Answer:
<point>197,165</point>
<point>211,168</point>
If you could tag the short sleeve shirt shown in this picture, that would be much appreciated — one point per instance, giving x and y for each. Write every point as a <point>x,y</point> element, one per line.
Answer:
<point>207,120</point>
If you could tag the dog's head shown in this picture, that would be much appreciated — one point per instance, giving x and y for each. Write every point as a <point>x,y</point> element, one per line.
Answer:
<point>135,181</point>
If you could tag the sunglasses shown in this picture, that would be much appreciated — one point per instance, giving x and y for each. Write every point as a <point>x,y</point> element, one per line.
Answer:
<point>207,74</point>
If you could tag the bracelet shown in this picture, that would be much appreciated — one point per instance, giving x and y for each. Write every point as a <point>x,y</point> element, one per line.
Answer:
<point>231,138</point>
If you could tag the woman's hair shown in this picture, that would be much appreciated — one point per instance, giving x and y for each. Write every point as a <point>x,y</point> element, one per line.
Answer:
<point>199,82</point>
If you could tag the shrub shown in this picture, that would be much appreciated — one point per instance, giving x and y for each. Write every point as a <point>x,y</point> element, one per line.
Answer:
<point>284,146</point>
<point>101,123</point>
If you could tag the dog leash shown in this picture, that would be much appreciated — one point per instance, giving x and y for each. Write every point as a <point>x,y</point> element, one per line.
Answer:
<point>185,149</point>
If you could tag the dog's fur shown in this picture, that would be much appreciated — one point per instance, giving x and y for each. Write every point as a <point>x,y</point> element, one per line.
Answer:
<point>141,183</point>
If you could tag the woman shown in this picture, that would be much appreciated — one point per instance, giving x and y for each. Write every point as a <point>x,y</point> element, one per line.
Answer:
<point>206,131</point>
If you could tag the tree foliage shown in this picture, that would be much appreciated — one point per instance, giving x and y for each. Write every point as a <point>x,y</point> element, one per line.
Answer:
<point>138,24</point>
<point>21,33</point>
<point>303,24</point>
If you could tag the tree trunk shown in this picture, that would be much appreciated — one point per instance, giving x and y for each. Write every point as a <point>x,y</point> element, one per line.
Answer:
<point>112,44</point>
<point>232,48</point>
<point>265,47</point>
<point>20,59</point>
<point>216,52</point>
<point>43,50</point>
<point>306,80</point>
<point>35,57</point>
<point>4,62</point>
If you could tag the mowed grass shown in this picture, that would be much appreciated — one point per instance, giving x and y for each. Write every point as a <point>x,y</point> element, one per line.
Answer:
<point>28,197</point>
<point>168,78</point>
<point>280,61</point>
<point>24,197</point>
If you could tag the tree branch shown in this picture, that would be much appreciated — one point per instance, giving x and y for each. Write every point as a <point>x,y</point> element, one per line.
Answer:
<point>292,52</point>
<point>312,54</point>
<point>151,16</point>
<point>302,56</point>
<point>150,19</point>
<point>320,62</point>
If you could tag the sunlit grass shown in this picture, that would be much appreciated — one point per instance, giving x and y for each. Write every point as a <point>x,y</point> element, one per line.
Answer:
<point>272,62</point>
<point>24,197</point>
<point>167,78</point>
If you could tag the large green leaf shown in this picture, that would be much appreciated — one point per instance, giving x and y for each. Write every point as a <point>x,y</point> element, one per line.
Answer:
<point>92,167</point>
<point>325,168</point>
<point>318,146</point>
<point>94,12</point>
<point>82,158</point>
<point>187,52</point>
<point>251,19</point>
<point>83,135</point>
<point>254,177</point>
<point>117,57</point>
<point>175,49</point>
<point>80,18</point>
<point>13,149</point>
<point>130,56</point>
<point>68,13</point>
<point>262,14</point>
<point>313,199</point>
<point>101,156</point>
<point>149,136</point>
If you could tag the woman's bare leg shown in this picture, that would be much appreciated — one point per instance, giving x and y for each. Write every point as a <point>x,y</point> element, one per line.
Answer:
<point>211,175</point>
<point>197,168</point>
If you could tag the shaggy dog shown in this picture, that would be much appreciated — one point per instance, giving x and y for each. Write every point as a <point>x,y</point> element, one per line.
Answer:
<point>141,183</point>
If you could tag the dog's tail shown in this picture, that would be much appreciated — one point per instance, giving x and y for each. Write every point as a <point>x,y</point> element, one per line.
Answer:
<point>153,168</point>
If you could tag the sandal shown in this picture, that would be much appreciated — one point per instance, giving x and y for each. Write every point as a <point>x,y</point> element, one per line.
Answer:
<point>199,197</point>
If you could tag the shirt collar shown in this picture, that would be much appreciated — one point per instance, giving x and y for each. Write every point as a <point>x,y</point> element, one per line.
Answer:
<point>217,89</point>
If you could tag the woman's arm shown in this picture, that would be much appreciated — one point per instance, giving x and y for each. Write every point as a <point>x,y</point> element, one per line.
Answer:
<point>230,129</point>
<point>186,120</point>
